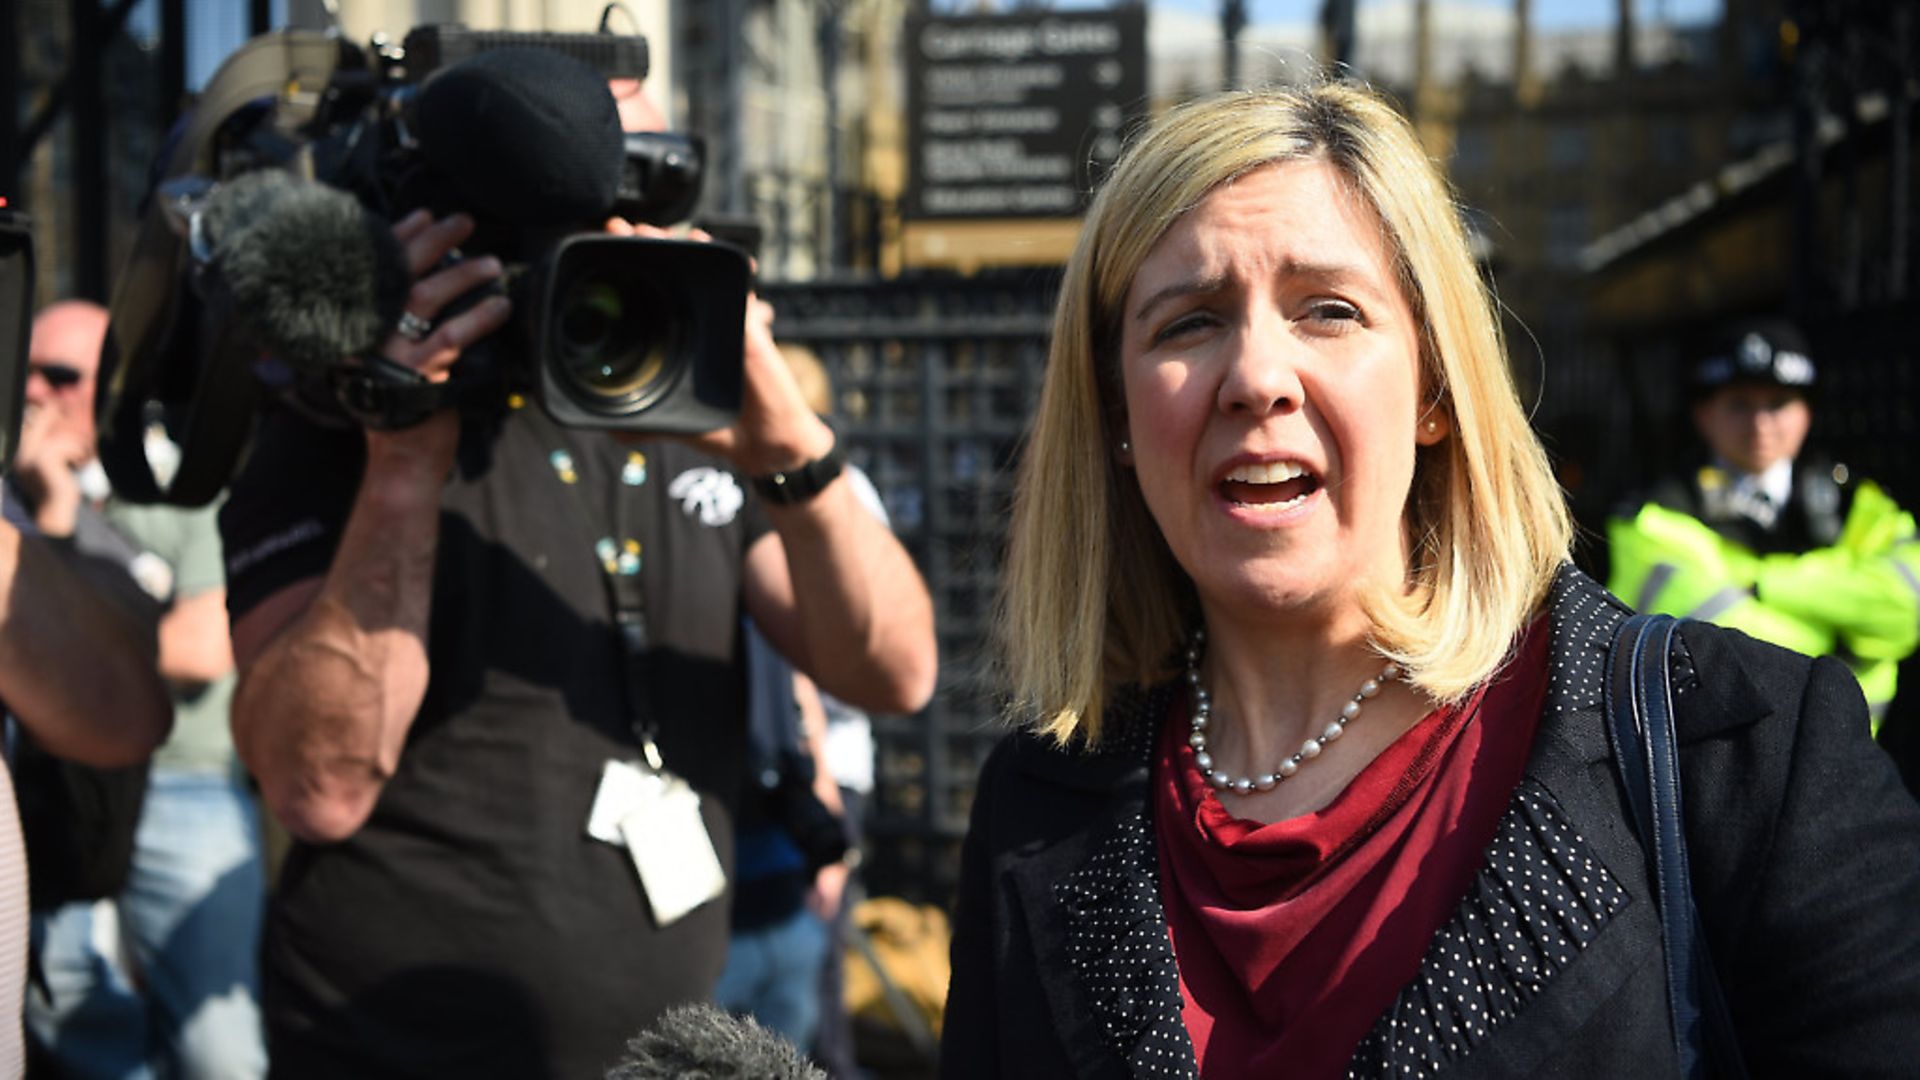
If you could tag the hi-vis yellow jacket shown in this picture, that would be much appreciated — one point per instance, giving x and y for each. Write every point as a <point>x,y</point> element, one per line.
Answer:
<point>1858,598</point>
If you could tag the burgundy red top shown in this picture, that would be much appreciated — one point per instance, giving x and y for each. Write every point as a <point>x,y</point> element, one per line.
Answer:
<point>1292,938</point>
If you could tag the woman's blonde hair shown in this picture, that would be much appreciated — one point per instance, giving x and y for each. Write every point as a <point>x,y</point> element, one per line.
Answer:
<point>1092,598</point>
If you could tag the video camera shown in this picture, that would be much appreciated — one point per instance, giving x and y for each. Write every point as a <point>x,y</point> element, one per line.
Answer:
<point>265,262</point>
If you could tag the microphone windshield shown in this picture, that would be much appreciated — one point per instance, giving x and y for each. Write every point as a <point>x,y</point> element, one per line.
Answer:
<point>315,276</point>
<point>700,1042</point>
<point>523,136</point>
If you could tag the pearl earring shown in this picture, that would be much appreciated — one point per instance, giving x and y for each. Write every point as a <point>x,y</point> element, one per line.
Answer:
<point>1432,425</point>
<point>1126,447</point>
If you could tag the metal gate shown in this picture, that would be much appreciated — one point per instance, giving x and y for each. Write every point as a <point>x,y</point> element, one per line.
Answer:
<point>934,378</point>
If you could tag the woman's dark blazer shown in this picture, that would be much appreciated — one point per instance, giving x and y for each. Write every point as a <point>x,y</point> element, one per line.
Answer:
<point>1806,867</point>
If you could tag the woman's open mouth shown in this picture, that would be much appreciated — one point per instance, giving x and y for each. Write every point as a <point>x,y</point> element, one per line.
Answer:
<point>1270,486</point>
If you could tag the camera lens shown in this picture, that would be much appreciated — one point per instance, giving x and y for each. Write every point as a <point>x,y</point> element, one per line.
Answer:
<point>604,345</point>
<point>637,333</point>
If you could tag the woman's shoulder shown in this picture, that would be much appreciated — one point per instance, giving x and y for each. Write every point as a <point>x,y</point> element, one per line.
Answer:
<point>1777,754</point>
<point>1724,680</point>
<point>1128,725</point>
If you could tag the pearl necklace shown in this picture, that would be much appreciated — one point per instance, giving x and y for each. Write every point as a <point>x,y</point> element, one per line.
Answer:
<point>1243,785</point>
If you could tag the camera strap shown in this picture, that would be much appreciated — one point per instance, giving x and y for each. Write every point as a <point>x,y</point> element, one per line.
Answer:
<point>387,396</point>
<point>619,563</point>
<point>630,621</point>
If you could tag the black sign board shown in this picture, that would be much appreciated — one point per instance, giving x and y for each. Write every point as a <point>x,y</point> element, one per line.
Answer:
<point>1015,115</point>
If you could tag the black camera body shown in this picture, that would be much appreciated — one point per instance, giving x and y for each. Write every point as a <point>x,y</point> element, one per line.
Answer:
<point>265,262</point>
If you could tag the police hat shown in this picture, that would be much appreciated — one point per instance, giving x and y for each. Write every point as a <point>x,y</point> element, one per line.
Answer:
<point>1768,353</point>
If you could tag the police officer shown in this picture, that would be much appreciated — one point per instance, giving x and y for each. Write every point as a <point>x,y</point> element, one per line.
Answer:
<point>1762,537</point>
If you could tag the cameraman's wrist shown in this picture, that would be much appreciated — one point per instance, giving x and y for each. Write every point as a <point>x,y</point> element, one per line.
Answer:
<point>803,483</point>
<point>401,467</point>
<point>809,441</point>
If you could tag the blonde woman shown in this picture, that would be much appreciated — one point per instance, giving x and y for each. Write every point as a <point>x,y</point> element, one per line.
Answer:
<point>1313,780</point>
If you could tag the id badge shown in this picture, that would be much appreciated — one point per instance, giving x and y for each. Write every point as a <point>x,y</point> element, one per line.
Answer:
<point>655,815</point>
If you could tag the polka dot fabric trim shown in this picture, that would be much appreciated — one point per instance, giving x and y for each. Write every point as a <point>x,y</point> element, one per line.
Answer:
<point>1582,619</point>
<point>1116,927</point>
<point>1541,898</point>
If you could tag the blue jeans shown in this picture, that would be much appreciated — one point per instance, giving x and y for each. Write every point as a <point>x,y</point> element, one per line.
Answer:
<point>190,914</point>
<point>773,973</point>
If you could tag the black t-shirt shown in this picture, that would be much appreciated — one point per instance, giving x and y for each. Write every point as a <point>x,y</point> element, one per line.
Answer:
<point>471,927</point>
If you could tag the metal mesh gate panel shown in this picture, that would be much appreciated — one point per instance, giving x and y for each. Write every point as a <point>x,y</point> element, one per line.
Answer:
<point>934,378</point>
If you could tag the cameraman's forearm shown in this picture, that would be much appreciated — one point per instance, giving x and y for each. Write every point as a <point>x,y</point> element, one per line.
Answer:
<point>855,587</point>
<point>318,719</point>
<point>73,668</point>
<point>321,714</point>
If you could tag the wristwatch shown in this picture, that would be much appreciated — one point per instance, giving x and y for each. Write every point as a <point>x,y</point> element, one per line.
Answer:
<point>789,486</point>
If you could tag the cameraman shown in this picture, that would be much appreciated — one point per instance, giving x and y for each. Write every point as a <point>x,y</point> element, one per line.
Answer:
<point>432,685</point>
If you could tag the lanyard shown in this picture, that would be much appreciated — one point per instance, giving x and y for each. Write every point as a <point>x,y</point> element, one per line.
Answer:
<point>618,558</point>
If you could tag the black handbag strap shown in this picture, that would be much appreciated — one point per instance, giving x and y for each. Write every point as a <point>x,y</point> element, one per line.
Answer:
<point>1639,697</point>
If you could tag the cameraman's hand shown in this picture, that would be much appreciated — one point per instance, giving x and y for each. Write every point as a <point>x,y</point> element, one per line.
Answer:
<point>430,445</point>
<point>776,429</point>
